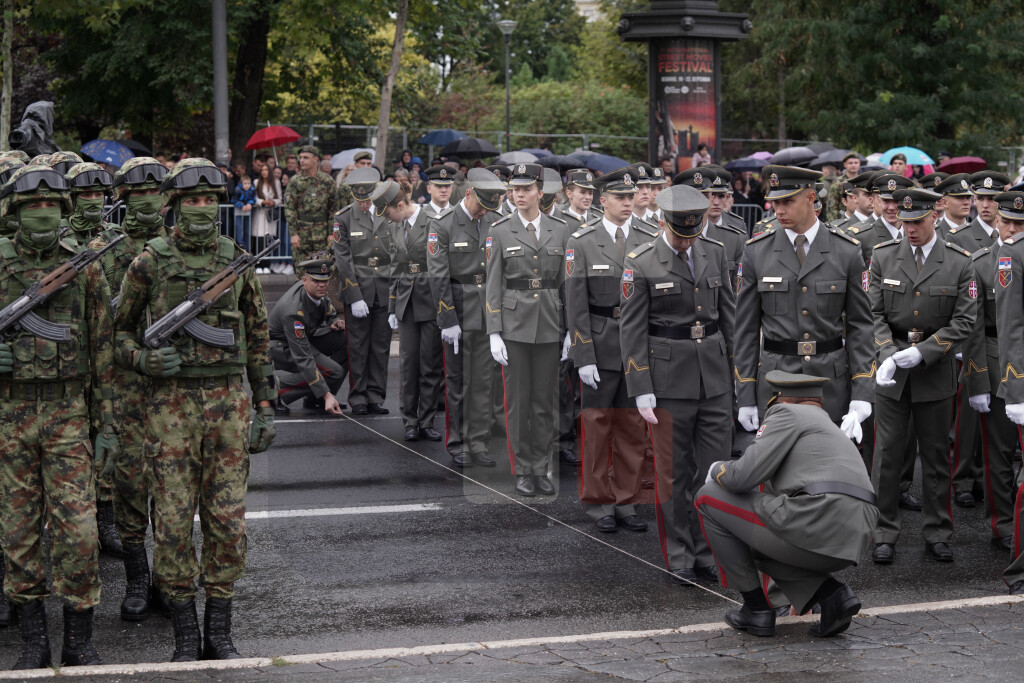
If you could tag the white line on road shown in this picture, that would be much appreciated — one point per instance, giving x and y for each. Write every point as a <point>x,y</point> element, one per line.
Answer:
<point>330,512</point>
<point>395,652</point>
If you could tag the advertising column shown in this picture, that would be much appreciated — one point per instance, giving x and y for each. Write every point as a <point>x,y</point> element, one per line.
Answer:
<point>684,100</point>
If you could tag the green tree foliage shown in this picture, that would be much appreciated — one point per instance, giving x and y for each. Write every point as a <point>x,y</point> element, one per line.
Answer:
<point>557,67</point>
<point>602,55</point>
<point>541,26</point>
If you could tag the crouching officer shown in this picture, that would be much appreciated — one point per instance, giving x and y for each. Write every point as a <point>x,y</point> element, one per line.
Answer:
<point>677,321</point>
<point>813,515</point>
<point>308,365</point>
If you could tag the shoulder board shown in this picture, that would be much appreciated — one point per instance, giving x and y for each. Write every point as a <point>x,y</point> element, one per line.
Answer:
<point>731,228</point>
<point>761,235</point>
<point>344,210</point>
<point>585,230</point>
<point>842,235</point>
<point>958,248</point>
<point>647,229</point>
<point>641,249</point>
<point>712,240</point>
<point>159,245</point>
<point>444,213</point>
<point>981,252</point>
<point>953,231</point>
<point>71,245</point>
<point>503,219</point>
<point>854,229</point>
<point>887,243</point>
<point>734,215</point>
<point>555,218</point>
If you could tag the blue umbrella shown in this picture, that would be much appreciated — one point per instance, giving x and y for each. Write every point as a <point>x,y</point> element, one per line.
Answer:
<point>915,157</point>
<point>440,137</point>
<point>602,163</point>
<point>539,153</point>
<point>107,152</point>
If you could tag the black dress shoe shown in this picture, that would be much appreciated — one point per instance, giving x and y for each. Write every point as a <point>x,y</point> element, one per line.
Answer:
<point>684,577</point>
<point>360,409</point>
<point>708,573</point>
<point>964,499</point>
<point>412,434</point>
<point>633,523</point>
<point>313,403</point>
<point>524,486</point>
<point>1005,544</point>
<point>939,551</point>
<point>884,553</point>
<point>483,460</point>
<point>909,502</point>
<point>760,622</point>
<point>544,486</point>
<point>281,408</point>
<point>377,409</point>
<point>606,524</point>
<point>1017,588</point>
<point>837,611</point>
<point>568,456</point>
<point>462,460</point>
<point>430,434</point>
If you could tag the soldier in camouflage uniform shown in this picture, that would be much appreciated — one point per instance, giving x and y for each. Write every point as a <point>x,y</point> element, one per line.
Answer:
<point>8,165</point>
<point>16,154</point>
<point>309,202</point>
<point>61,162</point>
<point>49,394</point>
<point>137,184</point>
<point>834,208</point>
<point>196,442</point>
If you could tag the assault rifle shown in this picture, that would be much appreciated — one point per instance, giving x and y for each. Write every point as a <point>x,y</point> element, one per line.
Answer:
<point>185,315</point>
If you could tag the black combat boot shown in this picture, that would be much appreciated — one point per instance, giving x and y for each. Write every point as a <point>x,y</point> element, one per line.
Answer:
<point>7,612</point>
<point>135,606</point>
<point>78,647</point>
<point>35,638</point>
<point>188,646</point>
<point>110,542</point>
<point>217,630</point>
<point>158,603</point>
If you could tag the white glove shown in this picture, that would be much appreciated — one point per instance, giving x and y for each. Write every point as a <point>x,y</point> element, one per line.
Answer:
<point>565,348</point>
<point>711,472</point>
<point>498,350</point>
<point>451,335</point>
<point>646,403</point>
<point>886,372</point>
<point>748,418</point>
<point>907,358</point>
<point>981,402</point>
<point>589,376</point>
<point>862,409</point>
<point>360,309</point>
<point>393,321</point>
<point>1015,411</point>
<point>851,427</point>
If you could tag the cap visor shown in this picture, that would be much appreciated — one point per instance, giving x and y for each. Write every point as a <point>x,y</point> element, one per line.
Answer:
<point>1011,215</point>
<point>780,194</point>
<point>913,214</point>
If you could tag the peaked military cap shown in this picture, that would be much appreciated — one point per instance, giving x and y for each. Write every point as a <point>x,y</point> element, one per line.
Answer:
<point>440,175</point>
<point>362,181</point>
<point>658,177</point>
<point>525,174</point>
<point>887,182</point>
<point>915,203</point>
<point>643,172</point>
<point>580,177</point>
<point>932,180</point>
<point>956,185</point>
<point>862,181</point>
<point>796,385</point>
<point>309,149</point>
<point>786,181</point>
<point>1010,205</point>
<point>725,178</point>
<point>502,172</point>
<point>988,182</point>
<point>684,208</point>
<point>382,195</point>
<point>621,181</point>
<point>365,154</point>
<point>319,267</point>
<point>487,188</point>
<point>699,178</point>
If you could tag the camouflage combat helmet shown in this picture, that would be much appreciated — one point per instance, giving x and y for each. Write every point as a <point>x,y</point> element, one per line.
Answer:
<point>63,161</point>
<point>194,175</point>
<point>39,160</point>
<point>16,154</point>
<point>33,182</point>
<point>8,165</point>
<point>138,173</point>
<point>87,176</point>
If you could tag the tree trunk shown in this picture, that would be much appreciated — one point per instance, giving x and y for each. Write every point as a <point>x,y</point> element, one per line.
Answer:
<point>8,77</point>
<point>384,122</point>
<point>247,85</point>
<point>782,104</point>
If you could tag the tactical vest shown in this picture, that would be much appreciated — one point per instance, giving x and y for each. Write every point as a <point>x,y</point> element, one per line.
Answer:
<point>37,359</point>
<point>174,280</point>
<point>116,261</point>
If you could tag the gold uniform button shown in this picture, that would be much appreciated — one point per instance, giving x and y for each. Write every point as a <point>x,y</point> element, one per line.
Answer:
<point>535,271</point>
<point>807,335</point>
<point>536,296</point>
<point>917,293</point>
<point>771,286</point>
<point>700,308</point>
<point>699,341</point>
<point>535,257</point>
<point>807,358</point>
<point>804,289</point>
<point>943,291</point>
<point>803,312</point>
<point>915,312</point>
<point>696,290</point>
<point>833,288</point>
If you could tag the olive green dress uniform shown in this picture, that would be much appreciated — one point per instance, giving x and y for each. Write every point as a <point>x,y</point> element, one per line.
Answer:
<point>878,230</point>
<point>503,173</point>
<point>524,304</point>
<point>933,310</point>
<point>614,433</point>
<point>676,332</point>
<point>457,262</point>
<point>412,302</point>
<point>956,185</point>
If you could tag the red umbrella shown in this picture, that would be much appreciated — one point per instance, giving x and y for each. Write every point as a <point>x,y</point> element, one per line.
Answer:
<point>272,136</point>
<point>963,165</point>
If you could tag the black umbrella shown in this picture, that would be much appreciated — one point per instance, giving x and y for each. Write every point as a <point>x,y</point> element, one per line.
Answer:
<point>138,148</point>
<point>834,157</point>
<point>441,136</point>
<point>745,164</point>
<point>793,156</point>
<point>560,162</point>
<point>470,148</point>
<point>819,147</point>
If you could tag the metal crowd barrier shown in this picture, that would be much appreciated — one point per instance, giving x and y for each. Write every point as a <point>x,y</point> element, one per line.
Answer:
<point>751,214</point>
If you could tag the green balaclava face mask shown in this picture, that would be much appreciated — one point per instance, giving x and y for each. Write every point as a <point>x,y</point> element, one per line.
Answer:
<point>143,211</point>
<point>88,214</point>
<point>197,223</point>
<point>39,227</point>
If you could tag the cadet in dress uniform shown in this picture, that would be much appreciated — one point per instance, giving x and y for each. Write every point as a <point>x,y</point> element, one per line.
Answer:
<point>886,226</point>
<point>525,274</point>
<point>440,182</point>
<point>579,190</point>
<point>956,200</point>
<point>308,365</point>
<point>863,205</point>
<point>457,263</point>
<point>362,255</point>
<point>614,434</point>
<point>797,506</point>
<point>703,179</point>
<point>923,296</point>
<point>981,374</point>
<point>676,333</point>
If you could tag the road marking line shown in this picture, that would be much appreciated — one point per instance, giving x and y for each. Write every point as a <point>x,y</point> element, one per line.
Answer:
<point>331,418</point>
<point>397,652</point>
<point>330,512</point>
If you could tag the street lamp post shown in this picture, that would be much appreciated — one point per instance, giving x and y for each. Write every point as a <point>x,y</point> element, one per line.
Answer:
<point>507,26</point>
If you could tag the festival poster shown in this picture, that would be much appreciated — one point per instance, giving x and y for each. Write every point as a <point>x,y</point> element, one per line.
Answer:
<point>684,106</point>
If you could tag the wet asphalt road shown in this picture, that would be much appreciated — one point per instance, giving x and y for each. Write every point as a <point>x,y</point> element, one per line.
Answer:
<point>473,566</point>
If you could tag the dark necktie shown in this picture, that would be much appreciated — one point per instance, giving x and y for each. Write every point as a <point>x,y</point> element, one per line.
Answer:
<point>620,241</point>
<point>919,258</point>
<point>533,232</point>
<point>800,241</point>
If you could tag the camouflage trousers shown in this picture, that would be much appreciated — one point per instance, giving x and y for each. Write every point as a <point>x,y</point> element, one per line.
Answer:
<point>196,449</point>
<point>46,476</point>
<point>312,237</point>
<point>132,474</point>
